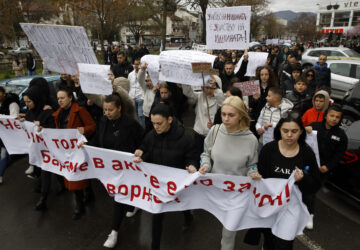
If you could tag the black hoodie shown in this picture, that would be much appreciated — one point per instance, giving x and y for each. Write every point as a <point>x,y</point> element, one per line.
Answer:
<point>332,143</point>
<point>46,91</point>
<point>37,113</point>
<point>174,148</point>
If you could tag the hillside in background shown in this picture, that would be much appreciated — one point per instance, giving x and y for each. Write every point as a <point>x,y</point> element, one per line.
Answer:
<point>290,15</point>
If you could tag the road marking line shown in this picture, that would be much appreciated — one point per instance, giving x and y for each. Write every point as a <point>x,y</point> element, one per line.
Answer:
<point>309,243</point>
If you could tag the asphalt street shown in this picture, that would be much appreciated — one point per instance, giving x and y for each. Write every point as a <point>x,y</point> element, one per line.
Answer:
<point>337,224</point>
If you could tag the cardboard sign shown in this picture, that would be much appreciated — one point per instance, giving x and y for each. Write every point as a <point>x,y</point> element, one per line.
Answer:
<point>201,67</point>
<point>61,47</point>
<point>94,79</point>
<point>228,28</point>
<point>248,88</point>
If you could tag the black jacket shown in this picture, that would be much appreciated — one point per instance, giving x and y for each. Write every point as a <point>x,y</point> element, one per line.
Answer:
<point>225,80</point>
<point>122,70</point>
<point>127,137</point>
<point>10,98</point>
<point>332,144</point>
<point>174,148</point>
<point>38,113</point>
<point>257,105</point>
<point>302,102</point>
<point>323,76</point>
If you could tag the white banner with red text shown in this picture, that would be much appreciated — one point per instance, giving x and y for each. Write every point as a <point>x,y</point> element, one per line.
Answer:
<point>237,202</point>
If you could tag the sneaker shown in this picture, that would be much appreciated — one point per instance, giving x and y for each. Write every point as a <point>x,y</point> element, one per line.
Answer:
<point>30,170</point>
<point>33,176</point>
<point>131,214</point>
<point>310,224</point>
<point>1,180</point>
<point>111,240</point>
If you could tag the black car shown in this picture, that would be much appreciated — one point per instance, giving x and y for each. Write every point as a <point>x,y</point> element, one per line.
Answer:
<point>346,176</point>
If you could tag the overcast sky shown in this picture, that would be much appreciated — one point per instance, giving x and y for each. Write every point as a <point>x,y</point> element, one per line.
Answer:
<point>296,6</point>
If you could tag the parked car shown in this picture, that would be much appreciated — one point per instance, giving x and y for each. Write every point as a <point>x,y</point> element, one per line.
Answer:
<point>19,85</point>
<point>2,55</point>
<point>20,51</point>
<point>351,106</point>
<point>344,75</point>
<point>345,178</point>
<point>311,56</point>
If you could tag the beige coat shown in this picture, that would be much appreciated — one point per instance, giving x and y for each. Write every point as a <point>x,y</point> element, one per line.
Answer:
<point>18,69</point>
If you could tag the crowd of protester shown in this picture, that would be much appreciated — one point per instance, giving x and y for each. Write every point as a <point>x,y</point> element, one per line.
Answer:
<point>146,118</point>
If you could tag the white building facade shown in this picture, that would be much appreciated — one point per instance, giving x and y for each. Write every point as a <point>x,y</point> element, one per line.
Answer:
<point>338,17</point>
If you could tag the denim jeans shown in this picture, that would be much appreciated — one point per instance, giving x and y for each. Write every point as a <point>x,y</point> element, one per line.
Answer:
<point>139,111</point>
<point>3,160</point>
<point>31,72</point>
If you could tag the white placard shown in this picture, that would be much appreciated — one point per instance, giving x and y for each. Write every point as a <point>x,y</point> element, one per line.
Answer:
<point>228,28</point>
<point>152,67</point>
<point>94,79</point>
<point>176,66</point>
<point>256,59</point>
<point>311,140</point>
<point>199,47</point>
<point>60,47</point>
<point>268,135</point>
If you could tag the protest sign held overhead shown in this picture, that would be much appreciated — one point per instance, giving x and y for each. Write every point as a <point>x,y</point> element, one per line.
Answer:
<point>228,28</point>
<point>94,79</point>
<point>248,88</point>
<point>153,65</point>
<point>60,47</point>
<point>176,66</point>
<point>256,59</point>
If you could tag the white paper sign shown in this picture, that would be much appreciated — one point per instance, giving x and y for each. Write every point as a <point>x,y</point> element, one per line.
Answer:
<point>256,59</point>
<point>268,135</point>
<point>60,47</point>
<point>311,140</point>
<point>94,79</point>
<point>176,66</point>
<point>228,28</point>
<point>152,67</point>
<point>199,47</point>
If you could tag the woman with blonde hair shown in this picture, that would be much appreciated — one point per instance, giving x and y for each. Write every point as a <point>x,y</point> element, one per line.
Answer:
<point>231,148</point>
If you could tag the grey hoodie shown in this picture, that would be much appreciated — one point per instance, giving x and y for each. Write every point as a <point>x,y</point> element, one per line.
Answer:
<point>232,153</point>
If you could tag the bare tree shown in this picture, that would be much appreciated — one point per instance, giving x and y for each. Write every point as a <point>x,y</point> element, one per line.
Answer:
<point>304,26</point>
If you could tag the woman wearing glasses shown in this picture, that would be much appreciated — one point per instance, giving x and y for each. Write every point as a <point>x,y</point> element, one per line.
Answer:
<point>279,158</point>
<point>310,77</point>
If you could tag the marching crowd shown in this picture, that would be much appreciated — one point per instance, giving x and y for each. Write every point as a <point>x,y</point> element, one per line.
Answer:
<point>146,118</point>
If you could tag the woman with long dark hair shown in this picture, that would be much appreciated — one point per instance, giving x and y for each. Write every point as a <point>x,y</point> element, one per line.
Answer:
<point>267,79</point>
<point>279,158</point>
<point>71,115</point>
